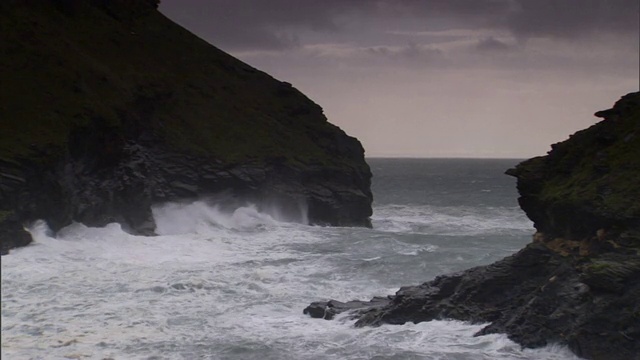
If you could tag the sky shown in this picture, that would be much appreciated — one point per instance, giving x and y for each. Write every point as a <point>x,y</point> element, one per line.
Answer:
<point>437,78</point>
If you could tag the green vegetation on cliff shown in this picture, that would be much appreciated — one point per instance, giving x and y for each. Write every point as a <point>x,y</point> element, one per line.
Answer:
<point>125,67</point>
<point>591,180</point>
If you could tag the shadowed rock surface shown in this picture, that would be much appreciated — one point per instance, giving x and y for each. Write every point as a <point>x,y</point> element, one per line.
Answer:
<point>578,282</point>
<point>108,107</point>
<point>329,309</point>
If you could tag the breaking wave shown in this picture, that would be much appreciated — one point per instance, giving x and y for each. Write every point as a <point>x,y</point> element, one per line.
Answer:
<point>451,220</point>
<point>230,282</point>
<point>198,217</point>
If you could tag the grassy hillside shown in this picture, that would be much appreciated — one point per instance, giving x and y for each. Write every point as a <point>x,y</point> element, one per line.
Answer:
<point>136,72</point>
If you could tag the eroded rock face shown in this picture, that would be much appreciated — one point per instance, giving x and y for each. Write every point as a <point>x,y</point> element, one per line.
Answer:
<point>578,282</point>
<point>588,182</point>
<point>114,108</point>
<point>124,192</point>
<point>86,190</point>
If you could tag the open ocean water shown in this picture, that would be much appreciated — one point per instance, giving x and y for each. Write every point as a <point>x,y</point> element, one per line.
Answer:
<point>232,285</point>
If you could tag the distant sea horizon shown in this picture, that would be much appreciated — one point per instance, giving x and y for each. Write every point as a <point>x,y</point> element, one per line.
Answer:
<point>453,157</point>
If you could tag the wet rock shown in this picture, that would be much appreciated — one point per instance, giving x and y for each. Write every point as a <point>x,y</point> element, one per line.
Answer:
<point>13,233</point>
<point>537,297</point>
<point>329,309</point>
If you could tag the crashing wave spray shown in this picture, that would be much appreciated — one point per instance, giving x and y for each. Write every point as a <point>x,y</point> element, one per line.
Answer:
<point>200,215</point>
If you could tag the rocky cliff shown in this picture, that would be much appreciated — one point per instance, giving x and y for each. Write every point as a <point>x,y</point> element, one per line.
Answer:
<point>578,282</point>
<point>108,107</point>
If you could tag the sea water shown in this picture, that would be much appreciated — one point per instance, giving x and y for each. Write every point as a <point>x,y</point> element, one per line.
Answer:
<point>232,284</point>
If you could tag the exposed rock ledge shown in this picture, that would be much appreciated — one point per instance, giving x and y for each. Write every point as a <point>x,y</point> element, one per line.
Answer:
<point>578,283</point>
<point>108,107</point>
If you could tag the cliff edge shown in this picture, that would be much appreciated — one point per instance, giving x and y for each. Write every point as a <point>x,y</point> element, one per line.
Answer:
<point>108,107</point>
<point>578,282</point>
<point>586,189</point>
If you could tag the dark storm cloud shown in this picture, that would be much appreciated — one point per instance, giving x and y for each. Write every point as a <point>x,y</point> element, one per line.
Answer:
<point>550,18</point>
<point>410,54</point>
<point>278,24</point>
<point>492,44</point>
<point>575,18</point>
<point>250,24</point>
<point>272,24</point>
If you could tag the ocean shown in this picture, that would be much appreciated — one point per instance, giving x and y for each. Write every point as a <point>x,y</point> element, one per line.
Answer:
<point>232,284</point>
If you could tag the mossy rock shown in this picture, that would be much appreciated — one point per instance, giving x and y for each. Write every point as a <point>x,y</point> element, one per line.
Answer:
<point>590,181</point>
<point>611,273</point>
<point>4,215</point>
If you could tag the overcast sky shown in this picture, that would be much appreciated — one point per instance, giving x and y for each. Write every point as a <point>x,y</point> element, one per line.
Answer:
<point>437,78</point>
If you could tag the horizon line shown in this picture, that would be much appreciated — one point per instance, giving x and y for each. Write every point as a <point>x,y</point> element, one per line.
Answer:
<point>446,157</point>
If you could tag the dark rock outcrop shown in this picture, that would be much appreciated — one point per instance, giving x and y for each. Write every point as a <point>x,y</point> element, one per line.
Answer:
<point>107,107</point>
<point>329,309</point>
<point>588,182</point>
<point>578,283</point>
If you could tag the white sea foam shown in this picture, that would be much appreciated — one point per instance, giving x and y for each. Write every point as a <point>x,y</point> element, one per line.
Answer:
<point>218,285</point>
<point>450,220</point>
<point>199,217</point>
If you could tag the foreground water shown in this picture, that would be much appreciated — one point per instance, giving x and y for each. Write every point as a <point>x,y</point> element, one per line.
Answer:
<point>232,285</point>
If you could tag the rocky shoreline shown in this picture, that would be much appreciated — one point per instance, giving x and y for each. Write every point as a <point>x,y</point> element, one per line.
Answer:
<point>578,282</point>
<point>114,108</point>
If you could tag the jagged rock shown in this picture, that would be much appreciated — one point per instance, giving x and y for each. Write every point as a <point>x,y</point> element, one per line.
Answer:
<point>114,108</point>
<point>12,230</point>
<point>569,194</point>
<point>329,309</point>
<point>536,296</point>
<point>578,283</point>
<point>611,272</point>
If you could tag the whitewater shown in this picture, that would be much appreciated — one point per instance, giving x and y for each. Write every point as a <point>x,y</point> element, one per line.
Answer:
<point>221,283</point>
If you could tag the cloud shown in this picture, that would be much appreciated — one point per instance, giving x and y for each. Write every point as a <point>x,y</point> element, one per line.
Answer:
<point>410,54</point>
<point>540,18</point>
<point>491,44</point>
<point>247,24</point>
<point>573,18</point>
<point>286,24</point>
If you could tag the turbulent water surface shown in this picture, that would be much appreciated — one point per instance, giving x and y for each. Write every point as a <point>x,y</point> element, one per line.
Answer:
<point>232,285</point>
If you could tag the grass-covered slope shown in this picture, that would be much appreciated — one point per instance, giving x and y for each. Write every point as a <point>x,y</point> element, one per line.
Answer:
<point>121,63</point>
<point>589,182</point>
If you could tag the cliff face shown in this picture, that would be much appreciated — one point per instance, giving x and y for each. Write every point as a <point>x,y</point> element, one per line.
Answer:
<point>108,107</point>
<point>578,283</point>
<point>587,187</point>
